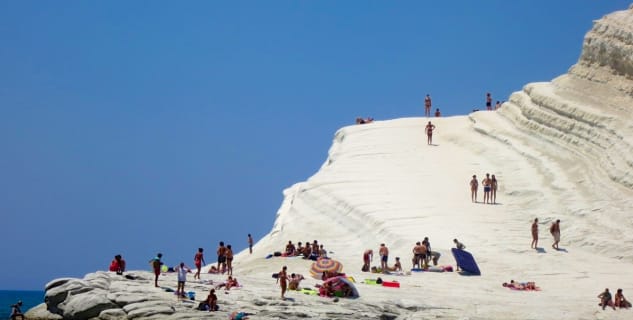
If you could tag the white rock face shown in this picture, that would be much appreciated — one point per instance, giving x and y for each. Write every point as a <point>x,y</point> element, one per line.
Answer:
<point>561,150</point>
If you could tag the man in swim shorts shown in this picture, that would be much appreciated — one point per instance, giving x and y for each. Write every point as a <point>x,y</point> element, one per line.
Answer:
<point>488,101</point>
<point>221,257</point>
<point>419,254</point>
<point>384,256</point>
<point>487,183</point>
<point>534,234</point>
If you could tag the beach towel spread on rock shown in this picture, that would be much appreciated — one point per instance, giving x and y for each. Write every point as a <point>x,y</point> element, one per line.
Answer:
<point>465,261</point>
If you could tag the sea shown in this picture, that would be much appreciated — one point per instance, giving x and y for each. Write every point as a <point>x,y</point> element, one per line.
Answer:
<point>29,299</point>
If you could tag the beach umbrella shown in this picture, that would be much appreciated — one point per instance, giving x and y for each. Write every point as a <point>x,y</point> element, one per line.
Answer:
<point>325,265</point>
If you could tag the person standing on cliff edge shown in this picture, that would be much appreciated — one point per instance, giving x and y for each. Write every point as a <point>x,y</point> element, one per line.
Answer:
<point>156,264</point>
<point>427,105</point>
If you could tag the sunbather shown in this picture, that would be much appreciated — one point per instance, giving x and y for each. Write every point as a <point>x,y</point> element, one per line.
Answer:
<point>520,285</point>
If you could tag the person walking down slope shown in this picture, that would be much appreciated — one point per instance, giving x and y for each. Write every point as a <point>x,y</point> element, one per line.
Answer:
<point>534,234</point>
<point>250,244</point>
<point>474,185</point>
<point>282,279</point>
<point>429,133</point>
<point>555,231</point>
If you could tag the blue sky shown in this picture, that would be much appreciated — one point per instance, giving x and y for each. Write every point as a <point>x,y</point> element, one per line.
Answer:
<point>135,127</point>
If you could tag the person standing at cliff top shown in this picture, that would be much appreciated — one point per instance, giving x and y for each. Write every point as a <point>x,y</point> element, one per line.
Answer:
<point>198,260</point>
<point>182,271</point>
<point>474,185</point>
<point>534,234</point>
<point>250,244</point>
<point>156,264</point>
<point>221,257</point>
<point>555,231</point>
<point>498,105</point>
<point>438,113</point>
<point>488,101</point>
<point>427,105</point>
<point>429,133</point>
<point>384,256</point>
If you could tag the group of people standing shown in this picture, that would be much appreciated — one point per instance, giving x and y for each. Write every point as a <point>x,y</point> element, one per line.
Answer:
<point>490,185</point>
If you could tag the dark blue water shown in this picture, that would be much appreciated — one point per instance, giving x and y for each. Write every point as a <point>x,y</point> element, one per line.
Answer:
<point>29,300</point>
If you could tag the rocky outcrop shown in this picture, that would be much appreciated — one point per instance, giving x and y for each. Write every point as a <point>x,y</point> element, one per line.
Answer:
<point>105,295</point>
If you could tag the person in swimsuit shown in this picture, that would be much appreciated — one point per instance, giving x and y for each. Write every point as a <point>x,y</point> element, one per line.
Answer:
<point>620,300</point>
<point>429,132</point>
<point>534,234</point>
<point>198,260</point>
<point>498,105</point>
<point>605,299</point>
<point>493,189</point>
<point>488,101</point>
<point>367,257</point>
<point>419,254</point>
<point>156,264</point>
<point>486,182</point>
<point>427,105</point>
<point>384,256</point>
<point>474,185</point>
<point>555,231</point>
<point>16,312</point>
<point>282,279</point>
<point>229,259</point>
<point>221,257</point>
<point>250,244</point>
<point>438,113</point>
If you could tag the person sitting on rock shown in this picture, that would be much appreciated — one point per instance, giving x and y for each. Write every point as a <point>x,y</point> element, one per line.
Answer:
<point>295,279</point>
<point>16,312</point>
<point>117,265</point>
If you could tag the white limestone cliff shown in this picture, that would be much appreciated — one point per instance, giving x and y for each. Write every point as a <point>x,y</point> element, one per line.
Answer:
<point>560,149</point>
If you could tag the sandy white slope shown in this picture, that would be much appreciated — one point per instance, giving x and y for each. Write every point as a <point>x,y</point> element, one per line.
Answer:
<point>561,150</point>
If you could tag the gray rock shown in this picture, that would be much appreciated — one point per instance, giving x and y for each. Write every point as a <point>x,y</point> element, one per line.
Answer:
<point>86,305</point>
<point>113,314</point>
<point>40,312</point>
